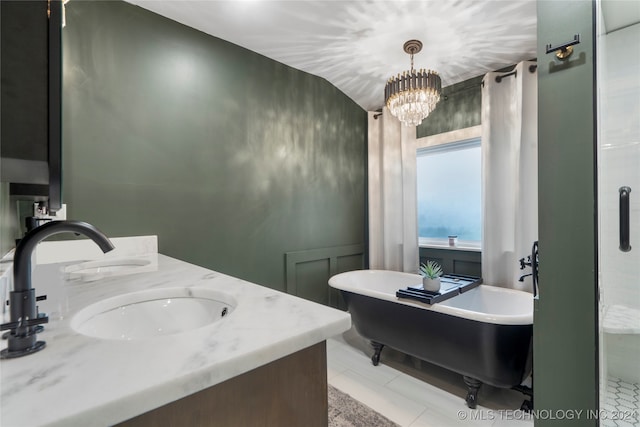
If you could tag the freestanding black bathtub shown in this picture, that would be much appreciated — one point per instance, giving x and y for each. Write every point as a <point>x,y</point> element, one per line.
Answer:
<point>484,334</point>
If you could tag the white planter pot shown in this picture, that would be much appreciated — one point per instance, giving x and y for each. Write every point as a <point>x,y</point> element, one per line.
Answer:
<point>431,285</point>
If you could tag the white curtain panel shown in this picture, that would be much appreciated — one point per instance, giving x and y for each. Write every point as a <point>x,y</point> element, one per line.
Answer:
<point>509,175</point>
<point>393,219</point>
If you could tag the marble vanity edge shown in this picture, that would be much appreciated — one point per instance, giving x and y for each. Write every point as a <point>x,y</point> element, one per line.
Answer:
<point>144,399</point>
<point>131,406</point>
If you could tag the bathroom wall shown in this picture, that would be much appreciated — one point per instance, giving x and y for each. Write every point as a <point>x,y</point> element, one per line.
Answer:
<point>619,162</point>
<point>460,107</point>
<point>232,159</point>
<point>619,165</point>
<point>565,337</point>
<point>454,261</point>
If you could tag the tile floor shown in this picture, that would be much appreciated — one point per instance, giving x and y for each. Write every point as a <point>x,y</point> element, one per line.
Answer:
<point>413,393</point>
<point>621,404</point>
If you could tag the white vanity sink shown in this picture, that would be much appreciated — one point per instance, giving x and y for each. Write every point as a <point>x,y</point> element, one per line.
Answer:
<point>153,313</point>
<point>94,270</point>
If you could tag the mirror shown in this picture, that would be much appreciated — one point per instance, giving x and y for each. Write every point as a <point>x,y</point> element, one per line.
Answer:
<point>30,102</point>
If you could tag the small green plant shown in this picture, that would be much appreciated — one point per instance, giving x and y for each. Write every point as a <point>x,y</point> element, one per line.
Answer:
<point>431,269</point>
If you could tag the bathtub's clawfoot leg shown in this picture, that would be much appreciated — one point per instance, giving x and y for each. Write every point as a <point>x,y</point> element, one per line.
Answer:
<point>473,385</point>
<point>377,348</point>
<point>527,405</point>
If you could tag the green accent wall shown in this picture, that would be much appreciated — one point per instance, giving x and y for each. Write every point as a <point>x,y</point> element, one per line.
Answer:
<point>231,158</point>
<point>454,261</point>
<point>460,107</point>
<point>565,316</point>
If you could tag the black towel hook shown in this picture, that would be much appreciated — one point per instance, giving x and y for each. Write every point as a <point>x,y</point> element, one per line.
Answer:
<point>564,50</point>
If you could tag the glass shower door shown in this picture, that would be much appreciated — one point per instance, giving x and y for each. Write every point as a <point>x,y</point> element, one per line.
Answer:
<point>618,53</point>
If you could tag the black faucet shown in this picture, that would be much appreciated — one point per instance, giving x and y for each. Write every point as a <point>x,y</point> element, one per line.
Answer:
<point>531,261</point>
<point>521,279</point>
<point>23,311</point>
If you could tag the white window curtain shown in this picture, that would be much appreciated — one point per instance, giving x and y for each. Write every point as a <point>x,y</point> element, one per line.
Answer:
<point>510,174</point>
<point>393,222</point>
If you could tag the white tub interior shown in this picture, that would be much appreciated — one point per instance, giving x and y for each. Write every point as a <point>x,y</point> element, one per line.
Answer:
<point>488,304</point>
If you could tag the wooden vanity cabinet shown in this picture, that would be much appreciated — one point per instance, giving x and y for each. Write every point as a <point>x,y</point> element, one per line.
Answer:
<point>291,391</point>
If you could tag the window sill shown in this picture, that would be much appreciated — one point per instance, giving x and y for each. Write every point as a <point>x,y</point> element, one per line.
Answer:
<point>461,246</point>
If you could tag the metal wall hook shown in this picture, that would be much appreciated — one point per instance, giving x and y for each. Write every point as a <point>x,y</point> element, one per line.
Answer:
<point>564,50</point>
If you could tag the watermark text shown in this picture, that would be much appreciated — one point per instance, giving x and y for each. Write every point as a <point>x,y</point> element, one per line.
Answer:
<point>548,414</point>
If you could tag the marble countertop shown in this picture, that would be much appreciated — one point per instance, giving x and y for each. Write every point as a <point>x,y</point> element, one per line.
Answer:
<point>82,381</point>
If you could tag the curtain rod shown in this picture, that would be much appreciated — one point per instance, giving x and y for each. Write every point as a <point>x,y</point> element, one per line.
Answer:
<point>532,69</point>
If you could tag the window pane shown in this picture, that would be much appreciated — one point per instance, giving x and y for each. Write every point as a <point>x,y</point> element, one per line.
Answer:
<point>449,192</point>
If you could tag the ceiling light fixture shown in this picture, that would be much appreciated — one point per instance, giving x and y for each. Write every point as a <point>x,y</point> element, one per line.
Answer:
<point>413,95</point>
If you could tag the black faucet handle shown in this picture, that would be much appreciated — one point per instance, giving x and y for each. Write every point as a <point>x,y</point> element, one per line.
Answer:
<point>42,318</point>
<point>524,264</point>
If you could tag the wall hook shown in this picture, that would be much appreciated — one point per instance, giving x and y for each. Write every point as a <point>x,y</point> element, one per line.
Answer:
<point>565,50</point>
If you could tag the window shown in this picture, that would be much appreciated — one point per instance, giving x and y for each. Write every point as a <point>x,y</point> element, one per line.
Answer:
<point>449,193</point>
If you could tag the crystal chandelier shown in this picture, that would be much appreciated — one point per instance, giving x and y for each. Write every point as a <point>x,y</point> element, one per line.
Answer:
<point>413,95</point>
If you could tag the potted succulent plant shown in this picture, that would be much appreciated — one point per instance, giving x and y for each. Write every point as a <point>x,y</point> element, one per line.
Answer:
<point>431,272</point>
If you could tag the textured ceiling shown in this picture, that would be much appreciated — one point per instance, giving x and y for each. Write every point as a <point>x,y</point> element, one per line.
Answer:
<point>357,45</point>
